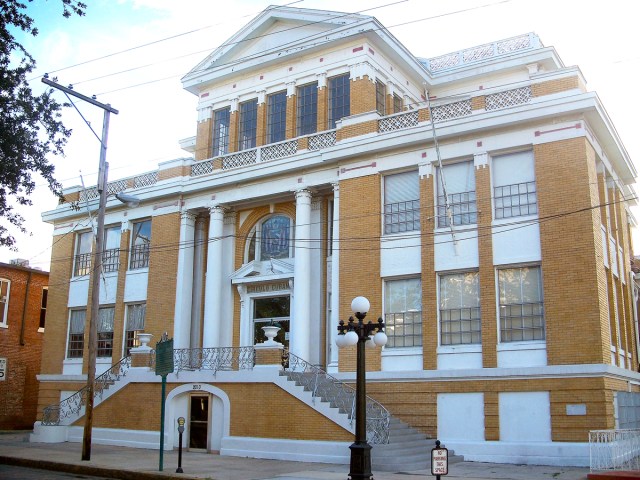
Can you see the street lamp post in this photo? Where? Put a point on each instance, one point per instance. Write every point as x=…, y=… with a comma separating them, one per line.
x=361, y=334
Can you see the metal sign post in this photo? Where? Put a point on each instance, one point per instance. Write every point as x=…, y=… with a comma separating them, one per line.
x=439, y=461
x=164, y=366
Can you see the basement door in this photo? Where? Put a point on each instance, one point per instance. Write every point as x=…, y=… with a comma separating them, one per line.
x=199, y=422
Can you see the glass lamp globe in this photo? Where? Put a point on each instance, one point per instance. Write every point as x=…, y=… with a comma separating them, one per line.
x=380, y=339
x=370, y=343
x=350, y=338
x=360, y=305
x=340, y=341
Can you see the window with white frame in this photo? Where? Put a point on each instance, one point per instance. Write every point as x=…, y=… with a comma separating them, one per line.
x=401, y=202
x=403, y=312
x=459, y=309
x=458, y=206
x=339, y=98
x=514, y=185
x=136, y=314
x=140, y=245
x=248, y=124
x=43, y=308
x=381, y=98
x=105, y=331
x=111, y=249
x=221, y=132
x=75, y=342
x=5, y=290
x=307, y=109
x=277, y=117
x=82, y=260
x=521, y=304
x=271, y=238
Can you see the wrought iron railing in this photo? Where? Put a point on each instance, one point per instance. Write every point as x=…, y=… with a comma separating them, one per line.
x=214, y=359
x=614, y=449
x=70, y=406
x=339, y=395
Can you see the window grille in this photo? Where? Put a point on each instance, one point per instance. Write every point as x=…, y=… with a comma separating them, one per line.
x=521, y=305
x=140, y=245
x=75, y=345
x=401, y=202
x=248, y=124
x=307, y=114
x=403, y=312
x=276, y=117
x=221, y=132
x=460, y=309
x=460, y=182
x=515, y=200
x=339, y=99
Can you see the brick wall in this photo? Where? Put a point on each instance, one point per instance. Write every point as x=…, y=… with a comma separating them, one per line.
x=556, y=86
x=363, y=95
x=203, y=140
x=429, y=288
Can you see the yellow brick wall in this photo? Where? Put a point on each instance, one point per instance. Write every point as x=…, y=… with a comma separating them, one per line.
x=292, y=130
x=261, y=130
x=360, y=230
x=478, y=103
x=572, y=271
x=203, y=140
x=423, y=115
x=556, y=86
x=233, y=131
x=322, y=113
x=429, y=288
x=363, y=95
x=174, y=172
x=356, y=130
x=163, y=265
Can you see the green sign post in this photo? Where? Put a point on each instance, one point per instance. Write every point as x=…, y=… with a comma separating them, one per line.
x=164, y=366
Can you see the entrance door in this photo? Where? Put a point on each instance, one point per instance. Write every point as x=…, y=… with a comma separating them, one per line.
x=269, y=309
x=199, y=422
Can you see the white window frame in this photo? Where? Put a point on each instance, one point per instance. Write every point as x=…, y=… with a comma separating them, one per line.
x=403, y=216
x=502, y=341
x=517, y=197
x=256, y=232
x=464, y=205
x=419, y=313
x=66, y=350
x=5, y=301
x=146, y=254
x=440, y=311
x=77, y=254
x=126, y=330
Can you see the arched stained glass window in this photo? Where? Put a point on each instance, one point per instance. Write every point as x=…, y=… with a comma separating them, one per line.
x=271, y=238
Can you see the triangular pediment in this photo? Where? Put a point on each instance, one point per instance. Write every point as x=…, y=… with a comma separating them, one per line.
x=261, y=271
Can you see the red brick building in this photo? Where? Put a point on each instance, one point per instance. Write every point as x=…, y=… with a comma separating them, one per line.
x=23, y=306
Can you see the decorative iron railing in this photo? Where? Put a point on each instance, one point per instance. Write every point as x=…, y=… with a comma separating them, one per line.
x=614, y=449
x=70, y=406
x=214, y=359
x=339, y=395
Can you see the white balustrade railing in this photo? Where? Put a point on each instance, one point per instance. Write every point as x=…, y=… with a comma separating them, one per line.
x=614, y=449
x=398, y=121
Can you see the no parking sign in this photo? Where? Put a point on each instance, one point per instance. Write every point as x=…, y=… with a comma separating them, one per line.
x=439, y=460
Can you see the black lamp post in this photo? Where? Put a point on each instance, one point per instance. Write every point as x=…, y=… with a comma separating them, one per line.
x=360, y=333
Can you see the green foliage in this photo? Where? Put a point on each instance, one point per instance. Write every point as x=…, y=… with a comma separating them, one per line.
x=30, y=125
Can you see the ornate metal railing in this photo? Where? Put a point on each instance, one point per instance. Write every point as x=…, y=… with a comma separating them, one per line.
x=614, y=449
x=339, y=395
x=214, y=359
x=70, y=406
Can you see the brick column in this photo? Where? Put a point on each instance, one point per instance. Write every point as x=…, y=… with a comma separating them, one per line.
x=322, y=103
x=261, y=127
x=292, y=131
x=233, y=126
x=203, y=140
x=429, y=287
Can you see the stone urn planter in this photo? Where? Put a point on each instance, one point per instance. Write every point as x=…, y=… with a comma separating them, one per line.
x=270, y=331
x=144, y=338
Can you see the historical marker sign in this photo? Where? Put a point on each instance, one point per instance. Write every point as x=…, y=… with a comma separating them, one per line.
x=3, y=369
x=439, y=461
x=164, y=357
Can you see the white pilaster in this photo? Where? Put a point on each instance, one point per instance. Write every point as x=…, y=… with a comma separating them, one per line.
x=200, y=240
x=332, y=366
x=213, y=286
x=301, y=312
x=184, y=285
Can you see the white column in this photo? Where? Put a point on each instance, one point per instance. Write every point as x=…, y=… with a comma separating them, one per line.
x=300, y=325
x=198, y=284
x=213, y=285
x=335, y=282
x=184, y=284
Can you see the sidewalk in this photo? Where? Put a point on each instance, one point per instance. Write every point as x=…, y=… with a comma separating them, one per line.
x=142, y=464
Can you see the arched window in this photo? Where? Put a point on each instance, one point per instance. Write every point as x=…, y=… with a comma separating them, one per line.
x=271, y=238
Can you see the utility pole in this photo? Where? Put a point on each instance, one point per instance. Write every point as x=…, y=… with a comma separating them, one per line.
x=97, y=262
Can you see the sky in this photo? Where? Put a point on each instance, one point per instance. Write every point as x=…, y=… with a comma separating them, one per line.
x=155, y=113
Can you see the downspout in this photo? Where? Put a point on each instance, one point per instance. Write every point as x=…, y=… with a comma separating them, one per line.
x=24, y=309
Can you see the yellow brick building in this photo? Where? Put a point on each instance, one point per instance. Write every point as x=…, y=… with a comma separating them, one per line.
x=480, y=201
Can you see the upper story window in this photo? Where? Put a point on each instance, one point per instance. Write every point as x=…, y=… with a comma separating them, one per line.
x=5, y=288
x=105, y=331
x=307, y=115
x=397, y=103
x=271, y=238
x=276, y=117
x=221, y=132
x=403, y=312
x=459, y=309
x=339, y=99
x=82, y=260
x=401, y=202
x=43, y=307
x=75, y=340
x=460, y=182
x=111, y=252
x=521, y=305
x=136, y=314
x=514, y=185
x=248, y=125
x=381, y=98
x=140, y=243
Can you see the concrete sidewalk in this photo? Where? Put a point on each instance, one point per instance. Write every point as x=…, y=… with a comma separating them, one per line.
x=142, y=464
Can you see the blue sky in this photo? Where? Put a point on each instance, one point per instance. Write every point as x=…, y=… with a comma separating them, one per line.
x=155, y=113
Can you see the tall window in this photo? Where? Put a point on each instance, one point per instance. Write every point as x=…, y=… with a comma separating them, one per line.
x=221, y=132
x=397, y=103
x=136, y=314
x=521, y=305
x=5, y=287
x=270, y=239
x=459, y=309
x=514, y=185
x=111, y=252
x=381, y=94
x=401, y=202
x=339, y=98
x=460, y=181
x=247, y=128
x=82, y=261
x=276, y=117
x=403, y=312
x=75, y=344
x=105, y=331
x=307, y=100
x=43, y=307
x=140, y=243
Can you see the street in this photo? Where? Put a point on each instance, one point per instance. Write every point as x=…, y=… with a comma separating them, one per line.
x=9, y=472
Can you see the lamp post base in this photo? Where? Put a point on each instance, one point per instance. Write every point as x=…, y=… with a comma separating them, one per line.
x=360, y=468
